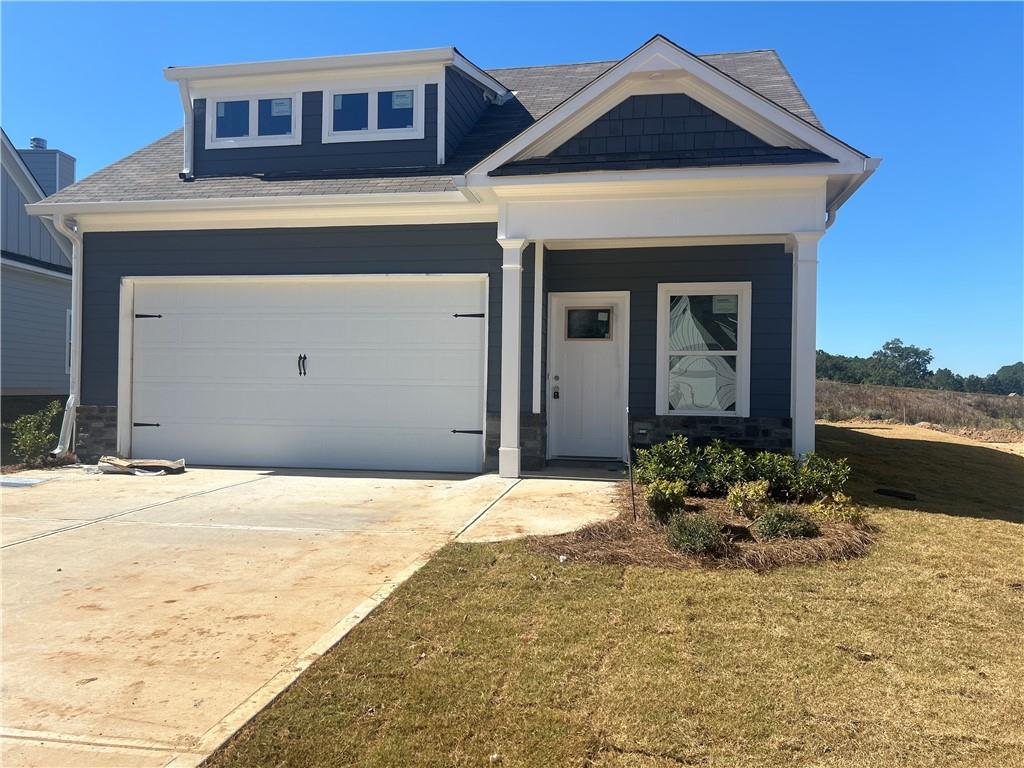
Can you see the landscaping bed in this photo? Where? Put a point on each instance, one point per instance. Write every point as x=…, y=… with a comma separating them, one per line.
x=643, y=542
x=718, y=506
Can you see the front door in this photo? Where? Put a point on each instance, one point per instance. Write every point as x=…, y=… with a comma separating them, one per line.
x=586, y=383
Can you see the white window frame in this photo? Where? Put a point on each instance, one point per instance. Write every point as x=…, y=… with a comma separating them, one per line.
x=67, y=342
x=253, y=139
x=372, y=132
x=742, y=353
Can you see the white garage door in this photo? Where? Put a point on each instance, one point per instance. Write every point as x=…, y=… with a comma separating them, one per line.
x=364, y=373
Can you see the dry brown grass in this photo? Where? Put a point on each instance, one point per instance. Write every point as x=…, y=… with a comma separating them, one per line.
x=908, y=657
x=642, y=542
x=949, y=410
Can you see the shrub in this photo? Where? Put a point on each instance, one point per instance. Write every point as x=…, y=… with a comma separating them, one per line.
x=696, y=535
x=839, y=508
x=818, y=477
x=779, y=470
x=719, y=466
x=665, y=498
x=784, y=522
x=750, y=498
x=32, y=434
x=670, y=460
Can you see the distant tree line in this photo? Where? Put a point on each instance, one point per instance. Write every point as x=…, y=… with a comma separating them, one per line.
x=903, y=365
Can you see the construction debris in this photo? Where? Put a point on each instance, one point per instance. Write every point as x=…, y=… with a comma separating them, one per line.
x=113, y=465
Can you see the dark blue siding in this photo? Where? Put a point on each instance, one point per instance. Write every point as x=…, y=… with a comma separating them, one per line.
x=657, y=123
x=312, y=155
x=445, y=248
x=464, y=103
x=639, y=270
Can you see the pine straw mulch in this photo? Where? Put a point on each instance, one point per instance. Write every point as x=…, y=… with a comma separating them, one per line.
x=643, y=542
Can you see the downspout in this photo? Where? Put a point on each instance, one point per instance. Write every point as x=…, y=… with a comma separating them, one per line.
x=870, y=166
x=67, y=429
x=186, y=103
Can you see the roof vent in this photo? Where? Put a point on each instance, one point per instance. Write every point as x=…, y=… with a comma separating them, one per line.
x=37, y=143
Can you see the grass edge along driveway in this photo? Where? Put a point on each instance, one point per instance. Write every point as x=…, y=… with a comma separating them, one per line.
x=491, y=655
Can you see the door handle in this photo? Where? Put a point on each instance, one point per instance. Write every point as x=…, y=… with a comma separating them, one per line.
x=299, y=363
x=302, y=363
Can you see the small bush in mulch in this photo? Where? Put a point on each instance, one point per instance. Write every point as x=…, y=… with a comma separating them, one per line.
x=749, y=499
x=839, y=508
x=784, y=522
x=711, y=470
x=697, y=534
x=665, y=498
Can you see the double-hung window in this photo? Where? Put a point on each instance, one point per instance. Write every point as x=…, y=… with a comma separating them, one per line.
x=703, y=340
x=373, y=113
x=256, y=121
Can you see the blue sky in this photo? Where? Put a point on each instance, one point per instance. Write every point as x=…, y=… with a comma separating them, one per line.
x=930, y=250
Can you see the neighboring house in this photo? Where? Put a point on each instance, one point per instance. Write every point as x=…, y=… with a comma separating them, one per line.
x=35, y=281
x=401, y=261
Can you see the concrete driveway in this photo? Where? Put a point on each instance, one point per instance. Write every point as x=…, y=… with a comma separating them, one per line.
x=146, y=619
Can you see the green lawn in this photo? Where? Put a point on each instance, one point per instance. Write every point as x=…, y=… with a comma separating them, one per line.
x=911, y=656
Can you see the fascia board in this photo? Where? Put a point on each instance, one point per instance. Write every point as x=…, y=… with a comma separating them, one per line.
x=352, y=61
x=501, y=185
x=248, y=203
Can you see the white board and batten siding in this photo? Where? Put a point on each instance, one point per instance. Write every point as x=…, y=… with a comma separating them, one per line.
x=389, y=372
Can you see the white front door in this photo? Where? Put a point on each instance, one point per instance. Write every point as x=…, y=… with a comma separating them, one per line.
x=587, y=374
x=354, y=373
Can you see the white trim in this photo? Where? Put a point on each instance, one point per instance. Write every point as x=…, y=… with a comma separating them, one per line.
x=253, y=139
x=663, y=242
x=353, y=64
x=372, y=90
x=538, y=321
x=68, y=336
x=554, y=301
x=653, y=59
x=125, y=361
x=511, y=353
x=34, y=269
x=442, y=108
x=243, y=203
x=742, y=353
x=804, y=247
x=126, y=326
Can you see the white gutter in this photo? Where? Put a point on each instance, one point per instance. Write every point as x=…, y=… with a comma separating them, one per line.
x=186, y=103
x=240, y=203
x=67, y=429
x=870, y=166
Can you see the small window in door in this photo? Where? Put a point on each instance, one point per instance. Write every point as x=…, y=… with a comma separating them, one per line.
x=589, y=323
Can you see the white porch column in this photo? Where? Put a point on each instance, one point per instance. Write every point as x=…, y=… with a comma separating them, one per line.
x=511, y=353
x=805, y=300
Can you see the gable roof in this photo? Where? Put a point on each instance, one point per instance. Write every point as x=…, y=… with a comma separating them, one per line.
x=151, y=173
x=14, y=164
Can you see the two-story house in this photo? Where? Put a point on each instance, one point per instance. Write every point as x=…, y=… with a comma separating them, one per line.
x=35, y=281
x=403, y=261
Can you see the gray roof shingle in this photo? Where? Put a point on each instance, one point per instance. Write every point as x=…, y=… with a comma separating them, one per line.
x=151, y=173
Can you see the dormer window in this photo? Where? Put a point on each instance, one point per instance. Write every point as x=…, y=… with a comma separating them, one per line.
x=256, y=121
x=373, y=114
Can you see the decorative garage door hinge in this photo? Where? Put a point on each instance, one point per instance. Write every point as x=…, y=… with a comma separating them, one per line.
x=471, y=314
x=149, y=316
x=144, y=424
x=467, y=431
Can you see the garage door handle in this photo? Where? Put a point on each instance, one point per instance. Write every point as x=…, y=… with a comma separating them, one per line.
x=302, y=365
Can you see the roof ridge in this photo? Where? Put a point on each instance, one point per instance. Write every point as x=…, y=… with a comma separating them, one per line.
x=616, y=61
